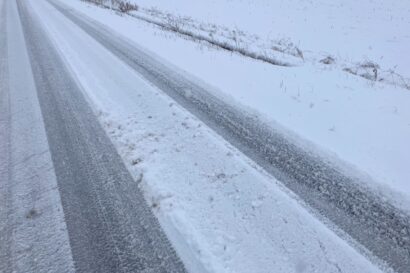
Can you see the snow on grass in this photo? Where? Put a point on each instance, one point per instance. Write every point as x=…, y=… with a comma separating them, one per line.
x=263, y=48
x=348, y=29
x=277, y=51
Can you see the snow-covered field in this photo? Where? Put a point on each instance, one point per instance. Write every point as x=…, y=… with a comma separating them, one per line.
x=361, y=124
x=350, y=31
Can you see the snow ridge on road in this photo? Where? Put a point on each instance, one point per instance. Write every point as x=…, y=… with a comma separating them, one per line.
x=379, y=226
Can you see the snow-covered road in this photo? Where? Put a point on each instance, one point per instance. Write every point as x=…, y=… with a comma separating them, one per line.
x=110, y=227
x=196, y=158
x=33, y=233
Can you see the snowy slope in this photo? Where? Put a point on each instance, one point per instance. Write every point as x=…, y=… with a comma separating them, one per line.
x=351, y=30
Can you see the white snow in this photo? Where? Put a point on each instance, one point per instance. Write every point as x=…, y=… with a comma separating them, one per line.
x=220, y=210
x=361, y=125
x=346, y=29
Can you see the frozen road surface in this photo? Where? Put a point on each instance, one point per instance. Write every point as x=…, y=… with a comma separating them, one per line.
x=69, y=202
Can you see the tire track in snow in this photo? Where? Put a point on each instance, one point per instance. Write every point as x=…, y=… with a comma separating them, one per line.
x=33, y=234
x=110, y=226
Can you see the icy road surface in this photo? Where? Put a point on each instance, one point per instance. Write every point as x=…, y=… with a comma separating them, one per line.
x=221, y=212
